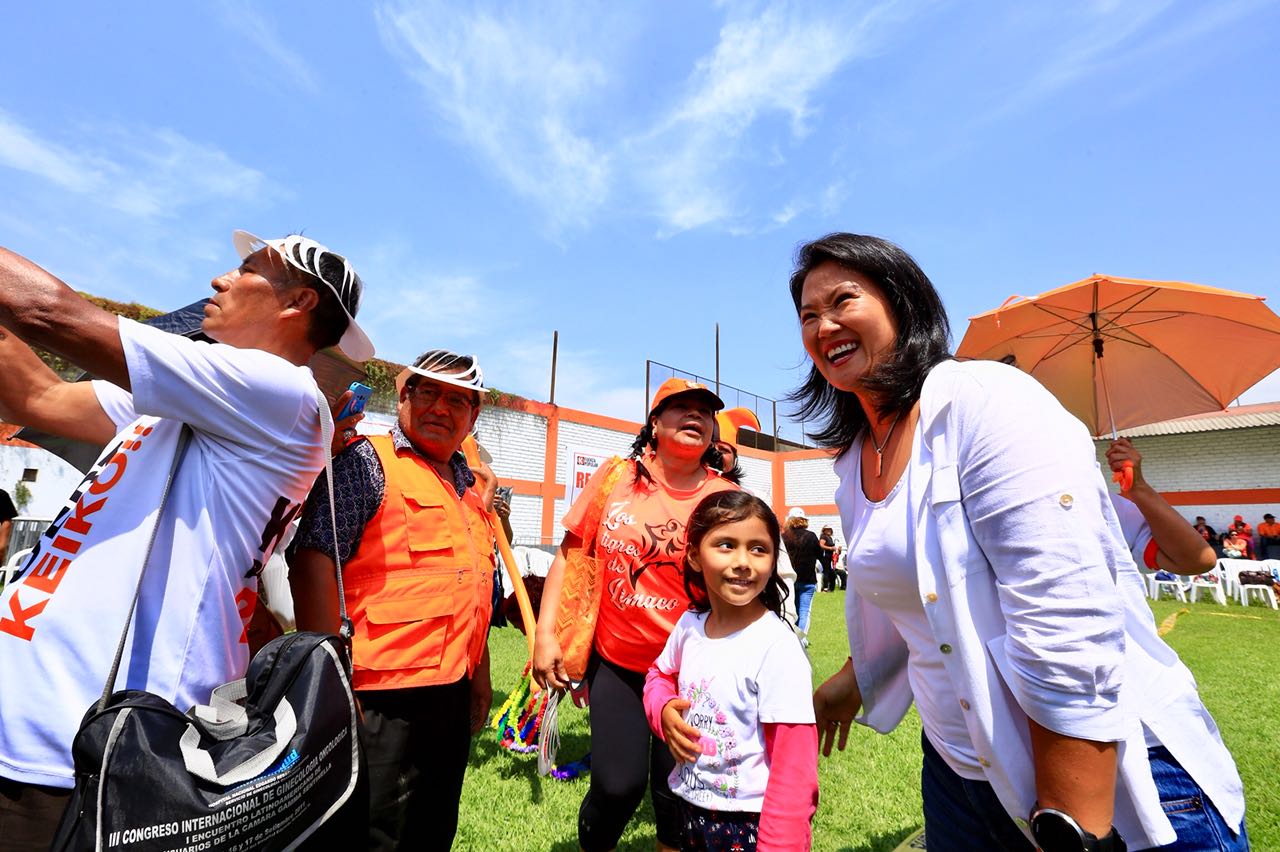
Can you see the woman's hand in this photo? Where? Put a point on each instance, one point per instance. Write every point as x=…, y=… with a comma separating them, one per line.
x=1121, y=452
x=548, y=662
x=835, y=703
x=683, y=739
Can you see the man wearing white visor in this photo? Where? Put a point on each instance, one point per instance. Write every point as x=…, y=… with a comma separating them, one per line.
x=417, y=556
x=254, y=451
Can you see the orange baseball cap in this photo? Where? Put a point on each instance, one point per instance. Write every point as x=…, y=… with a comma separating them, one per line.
x=732, y=419
x=676, y=386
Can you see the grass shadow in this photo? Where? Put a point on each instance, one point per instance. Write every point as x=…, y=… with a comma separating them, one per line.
x=884, y=842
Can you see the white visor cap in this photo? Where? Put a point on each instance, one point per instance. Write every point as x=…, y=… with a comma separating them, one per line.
x=303, y=253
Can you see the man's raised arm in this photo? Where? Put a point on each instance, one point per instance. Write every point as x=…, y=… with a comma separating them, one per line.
x=36, y=308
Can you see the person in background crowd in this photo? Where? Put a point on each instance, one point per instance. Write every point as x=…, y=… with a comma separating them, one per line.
x=1269, y=537
x=8, y=512
x=641, y=545
x=840, y=567
x=1236, y=546
x=1158, y=537
x=826, y=559
x=1030, y=656
x=1239, y=525
x=419, y=649
x=253, y=412
x=802, y=549
x=725, y=439
x=1208, y=533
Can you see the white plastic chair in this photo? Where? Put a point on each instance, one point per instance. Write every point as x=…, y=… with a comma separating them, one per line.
x=1229, y=570
x=1210, y=581
x=1157, y=586
x=1264, y=592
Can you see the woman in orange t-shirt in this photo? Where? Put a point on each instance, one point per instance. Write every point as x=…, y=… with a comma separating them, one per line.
x=640, y=547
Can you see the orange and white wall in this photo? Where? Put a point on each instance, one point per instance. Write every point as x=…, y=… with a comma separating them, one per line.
x=1215, y=474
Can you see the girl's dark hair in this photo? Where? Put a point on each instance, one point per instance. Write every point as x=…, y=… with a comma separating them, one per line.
x=646, y=440
x=922, y=343
x=729, y=507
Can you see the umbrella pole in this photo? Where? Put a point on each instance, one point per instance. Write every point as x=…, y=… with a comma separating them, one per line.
x=1124, y=476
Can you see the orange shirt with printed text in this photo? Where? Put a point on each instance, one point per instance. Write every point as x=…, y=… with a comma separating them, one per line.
x=640, y=547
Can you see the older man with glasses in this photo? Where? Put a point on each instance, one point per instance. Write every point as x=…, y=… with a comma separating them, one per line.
x=417, y=554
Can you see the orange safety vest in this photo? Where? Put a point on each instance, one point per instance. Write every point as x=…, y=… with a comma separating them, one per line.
x=419, y=588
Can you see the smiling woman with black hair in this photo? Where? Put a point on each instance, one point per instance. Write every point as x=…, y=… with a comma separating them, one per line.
x=991, y=586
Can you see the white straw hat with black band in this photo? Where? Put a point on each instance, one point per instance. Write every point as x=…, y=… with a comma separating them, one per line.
x=306, y=254
x=441, y=365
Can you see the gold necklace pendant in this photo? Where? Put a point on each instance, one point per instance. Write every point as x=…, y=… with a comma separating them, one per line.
x=879, y=447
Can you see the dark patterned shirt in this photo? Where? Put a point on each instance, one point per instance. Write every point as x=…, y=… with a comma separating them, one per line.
x=359, y=486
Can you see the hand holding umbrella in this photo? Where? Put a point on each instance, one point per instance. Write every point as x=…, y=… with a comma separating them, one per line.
x=1126, y=464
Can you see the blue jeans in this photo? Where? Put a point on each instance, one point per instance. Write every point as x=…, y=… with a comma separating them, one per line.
x=804, y=597
x=961, y=815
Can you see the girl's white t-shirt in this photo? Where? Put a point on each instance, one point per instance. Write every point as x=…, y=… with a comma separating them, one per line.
x=734, y=686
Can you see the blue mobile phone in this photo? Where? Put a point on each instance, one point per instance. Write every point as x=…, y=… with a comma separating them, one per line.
x=355, y=405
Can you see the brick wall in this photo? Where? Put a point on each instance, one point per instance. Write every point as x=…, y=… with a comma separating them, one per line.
x=758, y=477
x=810, y=481
x=1184, y=467
x=516, y=440
x=1198, y=472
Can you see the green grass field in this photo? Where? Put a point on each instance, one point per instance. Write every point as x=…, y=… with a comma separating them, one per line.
x=870, y=794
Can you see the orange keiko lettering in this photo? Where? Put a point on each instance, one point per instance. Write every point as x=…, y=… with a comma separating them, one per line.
x=77, y=523
x=47, y=573
x=67, y=545
x=119, y=461
x=18, y=626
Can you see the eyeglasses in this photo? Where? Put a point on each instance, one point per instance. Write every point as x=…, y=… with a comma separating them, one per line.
x=428, y=395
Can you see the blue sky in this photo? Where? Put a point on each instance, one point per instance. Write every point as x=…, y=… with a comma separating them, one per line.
x=632, y=173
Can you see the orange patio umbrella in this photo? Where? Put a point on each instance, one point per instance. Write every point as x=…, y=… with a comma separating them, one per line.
x=1123, y=352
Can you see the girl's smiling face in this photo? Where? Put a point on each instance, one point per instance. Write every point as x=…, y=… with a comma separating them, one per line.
x=736, y=560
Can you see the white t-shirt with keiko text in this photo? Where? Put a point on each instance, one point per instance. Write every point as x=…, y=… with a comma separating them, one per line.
x=735, y=684
x=254, y=454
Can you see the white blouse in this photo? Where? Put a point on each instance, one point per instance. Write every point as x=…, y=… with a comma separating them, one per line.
x=882, y=569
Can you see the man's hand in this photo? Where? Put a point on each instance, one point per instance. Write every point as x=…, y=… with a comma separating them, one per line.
x=344, y=430
x=548, y=662
x=835, y=703
x=683, y=739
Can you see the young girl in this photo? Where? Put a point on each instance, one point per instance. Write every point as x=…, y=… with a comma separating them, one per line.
x=730, y=692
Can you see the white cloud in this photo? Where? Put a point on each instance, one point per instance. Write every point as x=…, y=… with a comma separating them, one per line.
x=22, y=149
x=542, y=102
x=130, y=213
x=772, y=62
x=513, y=86
x=1107, y=34
x=147, y=173
x=253, y=26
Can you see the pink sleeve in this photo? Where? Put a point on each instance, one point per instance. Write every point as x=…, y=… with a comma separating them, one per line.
x=791, y=796
x=659, y=688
